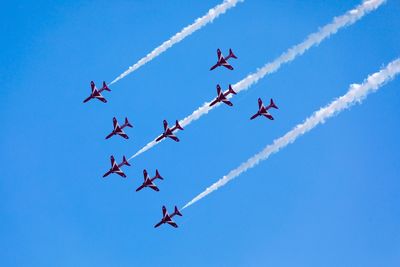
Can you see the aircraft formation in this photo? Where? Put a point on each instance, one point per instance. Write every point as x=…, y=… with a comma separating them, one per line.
x=169, y=132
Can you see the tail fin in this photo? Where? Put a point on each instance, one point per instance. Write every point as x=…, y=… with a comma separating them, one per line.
x=158, y=175
x=177, y=212
x=125, y=162
x=231, y=54
x=272, y=104
x=231, y=90
x=105, y=87
x=177, y=126
x=127, y=123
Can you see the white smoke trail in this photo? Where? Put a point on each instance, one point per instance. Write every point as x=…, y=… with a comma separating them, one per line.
x=313, y=39
x=212, y=14
x=356, y=93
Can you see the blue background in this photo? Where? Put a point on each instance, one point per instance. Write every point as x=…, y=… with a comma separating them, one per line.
x=330, y=199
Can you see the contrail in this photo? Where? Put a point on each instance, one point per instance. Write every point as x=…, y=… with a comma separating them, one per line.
x=212, y=14
x=313, y=39
x=356, y=93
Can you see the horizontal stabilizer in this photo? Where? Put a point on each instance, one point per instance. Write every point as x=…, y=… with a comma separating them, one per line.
x=177, y=212
x=231, y=54
x=105, y=87
x=158, y=175
x=272, y=104
x=177, y=126
x=127, y=123
x=231, y=90
x=125, y=162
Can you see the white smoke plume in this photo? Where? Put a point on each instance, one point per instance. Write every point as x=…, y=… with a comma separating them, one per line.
x=313, y=39
x=212, y=14
x=356, y=93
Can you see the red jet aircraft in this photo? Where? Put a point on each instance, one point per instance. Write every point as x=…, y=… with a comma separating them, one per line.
x=222, y=96
x=223, y=61
x=148, y=182
x=117, y=168
x=168, y=218
x=118, y=129
x=96, y=93
x=168, y=132
x=263, y=111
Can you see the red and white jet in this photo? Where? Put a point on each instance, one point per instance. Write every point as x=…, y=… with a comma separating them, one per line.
x=168, y=132
x=118, y=129
x=168, y=218
x=148, y=182
x=116, y=168
x=263, y=111
x=223, y=61
x=222, y=96
x=96, y=92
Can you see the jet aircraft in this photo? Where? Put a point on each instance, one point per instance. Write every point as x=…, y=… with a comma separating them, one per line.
x=118, y=129
x=167, y=218
x=116, y=168
x=96, y=93
x=168, y=132
x=222, y=96
x=148, y=182
x=263, y=111
x=223, y=61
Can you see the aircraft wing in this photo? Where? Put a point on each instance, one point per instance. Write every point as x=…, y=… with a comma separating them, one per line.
x=218, y=90
x=160, y=137
x=124, y=135
x=140, y=187
x=226, y=101
x=87, y=99
x=165, y=125
x=154, y=187
x=93, y=86
x=219, y=55
x=227, y=65
x=254, y=116
x=101, y=98
x=115, y=123
x=111, y=134
x=164, y=211
x=213, y=103
x=120, y=173
x=107, y=174
x=260, y=103
x=173, y=137
x=213, y=67
x=269, y=116
x=113, y=163
x=172, y=223
x=158, y=224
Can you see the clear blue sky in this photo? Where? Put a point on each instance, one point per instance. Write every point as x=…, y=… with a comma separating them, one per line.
x=330, y=199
